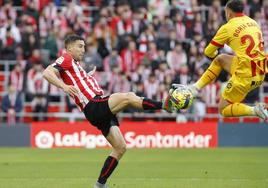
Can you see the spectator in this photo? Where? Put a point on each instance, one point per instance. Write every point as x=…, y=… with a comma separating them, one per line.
x=168, y=43
x=211, y=94
x=215, y=11
x=6, y=12
x=104, y=36
x=255, y=6
x=145, y=38
x=139, y=22
x=8, y=46
x=118, y=81
x=179, y=27
x=92, y=57
x=113, y=60
x=177, y=58
x=162, y=91
x=17, y=77
x=156, y=23
x=198, y=24
x=12, y=105
x=32, y=10
x=40, y=106
x=165, y=27
x=200, y=42
x=34, y=59
x=36, y=85
x=131, y=58
x=50, y=44
x=50, y=13
x=71, y=12
x=163, y=71
x=158, y=8
x=80, y=27
x=116, y=16
x=11, y=27
x=151, y=86
x=139, y=89
x=125, y=25
x=199, y=109
x=212, y=26
x=29, y=40
x=153, y=56
x=141, y=74
x=264, y=9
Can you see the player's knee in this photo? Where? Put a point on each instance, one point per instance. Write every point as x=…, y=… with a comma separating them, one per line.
x=121, y=150
x=129, y=97
x=221, y=59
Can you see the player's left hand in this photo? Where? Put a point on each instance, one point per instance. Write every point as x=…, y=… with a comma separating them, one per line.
x=91, y=73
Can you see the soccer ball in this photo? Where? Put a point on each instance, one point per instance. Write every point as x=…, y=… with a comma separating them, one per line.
x=182, y=97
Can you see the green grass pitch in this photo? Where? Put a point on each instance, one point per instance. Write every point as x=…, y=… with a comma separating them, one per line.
x=139, y=168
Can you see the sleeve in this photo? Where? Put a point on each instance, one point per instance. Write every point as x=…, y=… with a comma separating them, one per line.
x=217, y=42
x=63, y=63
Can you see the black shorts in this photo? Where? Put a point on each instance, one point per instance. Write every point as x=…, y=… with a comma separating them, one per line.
x=98, y=113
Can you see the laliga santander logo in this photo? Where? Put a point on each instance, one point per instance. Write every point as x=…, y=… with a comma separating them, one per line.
x=46, y=139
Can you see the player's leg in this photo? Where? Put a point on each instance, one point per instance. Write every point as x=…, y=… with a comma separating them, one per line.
x=236, y=109
x=221, y=62
x=119, y=101
x=116, y=139
x=235, y=91
x=240, y=109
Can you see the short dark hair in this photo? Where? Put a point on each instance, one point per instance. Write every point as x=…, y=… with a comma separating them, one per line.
x=72, y=38
x=236, y=6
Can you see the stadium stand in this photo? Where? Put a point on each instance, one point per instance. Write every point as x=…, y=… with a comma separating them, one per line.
x=137, y=45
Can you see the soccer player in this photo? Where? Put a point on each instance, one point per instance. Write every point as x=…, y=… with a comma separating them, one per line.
x=247, y=67
x=98, y=109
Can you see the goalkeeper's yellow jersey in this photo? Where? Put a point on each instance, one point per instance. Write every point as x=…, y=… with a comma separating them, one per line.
x=244, y=36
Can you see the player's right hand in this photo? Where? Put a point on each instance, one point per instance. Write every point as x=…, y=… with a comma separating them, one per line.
x=70, y=90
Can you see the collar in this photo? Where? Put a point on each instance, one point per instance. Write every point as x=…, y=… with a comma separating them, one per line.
x=239, y=14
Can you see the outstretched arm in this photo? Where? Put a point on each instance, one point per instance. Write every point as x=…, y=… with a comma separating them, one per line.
x=52, y=75
x=211, y=51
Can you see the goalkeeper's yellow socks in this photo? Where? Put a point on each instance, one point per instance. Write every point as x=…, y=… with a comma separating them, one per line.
x=238, y=109
x=209, y=75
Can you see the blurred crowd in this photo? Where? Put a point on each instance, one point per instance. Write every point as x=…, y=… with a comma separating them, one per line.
x=137, y=45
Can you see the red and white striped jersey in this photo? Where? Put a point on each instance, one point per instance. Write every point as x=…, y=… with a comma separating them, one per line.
x=72, y=73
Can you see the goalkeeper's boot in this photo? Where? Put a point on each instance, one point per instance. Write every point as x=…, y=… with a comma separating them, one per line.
x=261, y=111
x=167, y=104
x=99, y=185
